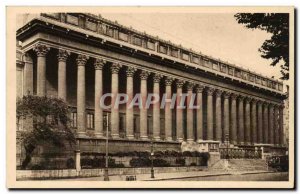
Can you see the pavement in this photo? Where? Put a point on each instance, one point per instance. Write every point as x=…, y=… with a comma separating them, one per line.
x=170, y=176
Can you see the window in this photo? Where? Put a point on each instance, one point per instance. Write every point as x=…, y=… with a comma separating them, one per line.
x=238, y=73
x=258, y=80
x=109, y=32
x=150, y=45
x=207, y=63
x=90, y=121
x=72, y=20
x=91, y=25
x=230, y=71
x=251, y=78
x=223, y=68
x=195, y=59
x=163, y=49
x=185, y=56
x=216, y=66
x=123, y=36
x=137, y=41
x=74, y=119
x=174, y=52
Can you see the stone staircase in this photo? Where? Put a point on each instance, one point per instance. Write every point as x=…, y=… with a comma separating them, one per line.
x=240, y=165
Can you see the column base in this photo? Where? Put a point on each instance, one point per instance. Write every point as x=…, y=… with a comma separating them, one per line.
x=169, y=139
x=157, y=138
x=180, y=139
x=144, y=138
x=130, y=136
x=190, y=140
x=98, y=135
x=81, y=134
x=115, y=136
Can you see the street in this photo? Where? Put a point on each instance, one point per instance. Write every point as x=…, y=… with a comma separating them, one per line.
x=197, y=176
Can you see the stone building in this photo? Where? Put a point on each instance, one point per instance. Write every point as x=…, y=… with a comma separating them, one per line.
x=80, y=57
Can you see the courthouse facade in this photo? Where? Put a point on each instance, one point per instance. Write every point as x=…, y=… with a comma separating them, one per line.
x=80, y=57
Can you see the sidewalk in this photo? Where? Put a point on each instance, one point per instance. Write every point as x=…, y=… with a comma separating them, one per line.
x=169, y=176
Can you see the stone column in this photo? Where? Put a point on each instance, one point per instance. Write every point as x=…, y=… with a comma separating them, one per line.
x=99, y=63
x=143, y=110
x=189, y=114
x=276, y=125
x=254, y=122
x=266, y=122
x=210, y=124
x=218, y=116
x=179, y=118
x=156, y=107
x=115, y=68
x=233, y=131
x=62, y=73
x=226, y=113
x=19, y=79
x=28, y=74
x=81, y=112
x=281, y=132
x=168, y=111
x=247, y=122
x=199, y=90
x=271, y=124
x=129, y=110
x=241, y=136
x=259, y=122
x=41, y=51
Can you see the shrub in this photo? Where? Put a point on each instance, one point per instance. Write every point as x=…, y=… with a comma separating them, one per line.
x=70, y=163
x=157, y=162
x=140, y=162
x=180, y=161
x=38, y=167
x=193, y=164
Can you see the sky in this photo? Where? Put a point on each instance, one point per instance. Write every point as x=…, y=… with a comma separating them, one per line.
x=217, y=35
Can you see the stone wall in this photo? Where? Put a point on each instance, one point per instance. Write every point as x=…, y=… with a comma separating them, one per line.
x=72, y=173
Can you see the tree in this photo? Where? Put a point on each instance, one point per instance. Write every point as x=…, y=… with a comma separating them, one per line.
x=276, y=48
x=50, y=124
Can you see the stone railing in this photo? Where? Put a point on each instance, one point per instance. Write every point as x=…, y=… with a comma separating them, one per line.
x=238, y=153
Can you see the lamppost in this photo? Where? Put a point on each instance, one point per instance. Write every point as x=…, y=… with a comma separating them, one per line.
x=106, y=178
x=152, y=155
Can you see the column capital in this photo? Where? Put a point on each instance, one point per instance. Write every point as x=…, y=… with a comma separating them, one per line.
x=218, y=92
x=259, y=102
x=210, y=90
x=99, y=63
x=271, y=105
x=265, y=103
x=41, y=49
x=156, y=78
x=199, y=88
x=254, y=100
x=248, y=99
x=241, y=98
x=190, y=86
x=63, y=55
x=179, y=83
x=233, y=96
x=144, y=75
x=115, y=68
x=226, y=94
x=130, y=71
x=168, y=81
x=81, y=60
